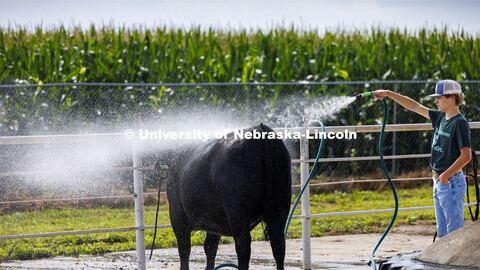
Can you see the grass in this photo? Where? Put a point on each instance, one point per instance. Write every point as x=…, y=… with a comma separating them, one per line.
x=104, y=217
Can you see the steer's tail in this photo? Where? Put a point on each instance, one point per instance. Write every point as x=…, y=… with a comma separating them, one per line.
x=269, y=165
x=278, y=182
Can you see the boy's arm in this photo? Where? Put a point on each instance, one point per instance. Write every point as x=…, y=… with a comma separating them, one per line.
x=405, y=101
x=462, y=160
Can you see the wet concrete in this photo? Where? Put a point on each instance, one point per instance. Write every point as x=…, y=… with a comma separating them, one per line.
x=330, y=252
x=406, y=261
x=168, y=259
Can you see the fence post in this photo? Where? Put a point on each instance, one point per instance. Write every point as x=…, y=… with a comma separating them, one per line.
x=139, y=219
x=304, y=172
x=79, y=109
x=248, y=97
x=394, y=135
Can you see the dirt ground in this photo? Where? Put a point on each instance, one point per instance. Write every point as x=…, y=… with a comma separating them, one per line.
x=333, y=252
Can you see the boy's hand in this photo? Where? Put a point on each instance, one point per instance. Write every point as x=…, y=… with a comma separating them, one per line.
x=442, y=179
x=381, y=94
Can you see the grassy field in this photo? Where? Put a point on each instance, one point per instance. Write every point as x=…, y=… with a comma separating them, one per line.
x=70, y=219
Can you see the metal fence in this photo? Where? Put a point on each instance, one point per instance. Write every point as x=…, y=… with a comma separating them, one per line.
x=27, y=163
x=138, y=192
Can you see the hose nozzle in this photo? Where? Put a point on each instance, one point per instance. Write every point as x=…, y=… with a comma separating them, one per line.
x=359, y=96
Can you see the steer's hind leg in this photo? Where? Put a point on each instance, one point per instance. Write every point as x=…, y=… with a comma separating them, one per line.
x=182, y=229
x=184, y=245
x=277, y=240
x=242, y=247
x=211, y=246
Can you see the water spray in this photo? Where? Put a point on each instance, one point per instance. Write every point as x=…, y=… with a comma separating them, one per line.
x=314, y=167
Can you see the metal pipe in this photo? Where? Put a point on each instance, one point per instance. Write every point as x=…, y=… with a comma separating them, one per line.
x=228, y=84
x=394, y=135
x=129, y=196
x=125, y=229
x=304, y=172
x=108, y=137
x=139, y=215
x=79, y=170
x=367, y=158
x=378, y=211
x=164, y=226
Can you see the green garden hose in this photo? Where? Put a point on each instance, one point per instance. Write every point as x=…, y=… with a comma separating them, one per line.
x=226, y=265
x=306, y=182
x=380, y=150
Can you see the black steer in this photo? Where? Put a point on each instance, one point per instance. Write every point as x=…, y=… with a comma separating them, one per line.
x=227, y=187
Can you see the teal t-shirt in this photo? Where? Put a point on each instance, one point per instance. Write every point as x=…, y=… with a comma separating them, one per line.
x=448, y=138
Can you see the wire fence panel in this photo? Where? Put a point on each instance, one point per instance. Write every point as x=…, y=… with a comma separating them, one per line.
x=43, y=109
x=99, y=108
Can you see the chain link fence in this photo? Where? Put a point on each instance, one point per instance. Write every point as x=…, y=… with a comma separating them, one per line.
x=106, y=108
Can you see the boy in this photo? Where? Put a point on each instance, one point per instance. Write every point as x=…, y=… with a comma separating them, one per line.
x=450, y=151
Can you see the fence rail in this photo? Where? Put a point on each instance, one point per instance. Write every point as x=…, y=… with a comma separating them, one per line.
x=138, y=196
x=232, y=83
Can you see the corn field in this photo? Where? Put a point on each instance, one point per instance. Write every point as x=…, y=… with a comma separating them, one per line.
x=281, y=55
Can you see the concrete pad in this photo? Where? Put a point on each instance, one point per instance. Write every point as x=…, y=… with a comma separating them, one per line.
x=458, y=248
x=340, y=252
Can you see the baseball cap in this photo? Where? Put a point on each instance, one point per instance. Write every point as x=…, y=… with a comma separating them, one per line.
x=446, y=87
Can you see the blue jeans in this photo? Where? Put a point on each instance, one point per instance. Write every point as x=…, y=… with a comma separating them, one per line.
x=449, y=200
